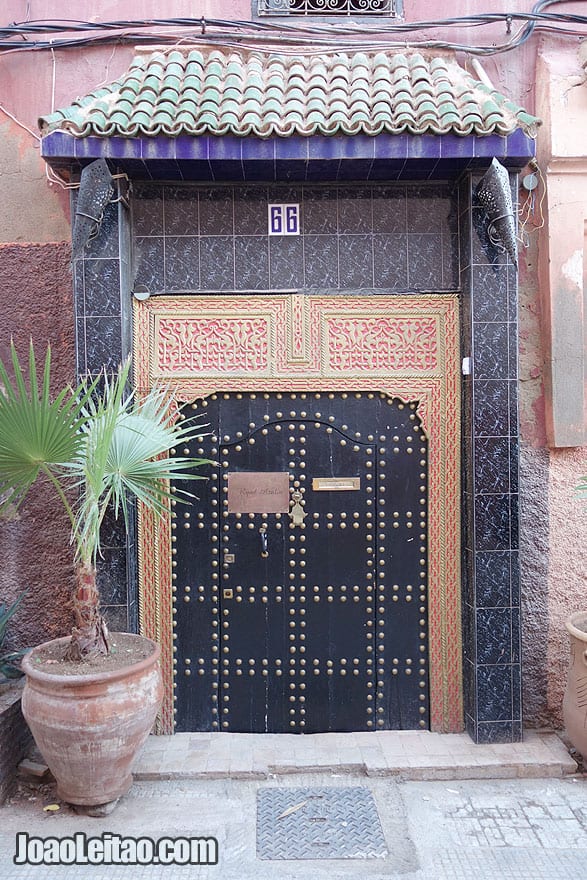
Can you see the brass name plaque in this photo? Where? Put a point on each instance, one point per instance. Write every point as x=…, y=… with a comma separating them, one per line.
x=336, y=484
x=258, y=492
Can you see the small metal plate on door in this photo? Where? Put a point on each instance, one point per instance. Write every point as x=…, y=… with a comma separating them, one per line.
x=258, y=492
x=336, y=484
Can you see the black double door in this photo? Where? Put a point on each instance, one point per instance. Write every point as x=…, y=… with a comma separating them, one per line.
x=300, y=580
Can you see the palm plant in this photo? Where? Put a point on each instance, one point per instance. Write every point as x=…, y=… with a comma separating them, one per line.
x=99, y=446
x=9, y=660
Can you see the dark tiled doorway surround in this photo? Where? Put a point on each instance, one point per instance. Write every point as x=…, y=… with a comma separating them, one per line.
x=366, y=238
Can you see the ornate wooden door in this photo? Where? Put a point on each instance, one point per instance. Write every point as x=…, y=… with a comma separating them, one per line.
x=343, y=365
x=301, y=581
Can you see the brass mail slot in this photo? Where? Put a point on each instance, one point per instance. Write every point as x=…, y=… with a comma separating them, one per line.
x=336, y=484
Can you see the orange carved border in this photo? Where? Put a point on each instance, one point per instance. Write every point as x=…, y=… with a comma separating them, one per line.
x=405, y=346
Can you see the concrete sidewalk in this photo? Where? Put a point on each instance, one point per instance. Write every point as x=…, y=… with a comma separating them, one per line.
x=444, y=809
x=533, y=829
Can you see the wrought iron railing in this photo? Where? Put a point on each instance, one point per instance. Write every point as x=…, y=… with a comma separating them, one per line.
x=326, y=7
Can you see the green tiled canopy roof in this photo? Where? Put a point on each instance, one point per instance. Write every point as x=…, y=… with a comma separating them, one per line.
x=193, y=92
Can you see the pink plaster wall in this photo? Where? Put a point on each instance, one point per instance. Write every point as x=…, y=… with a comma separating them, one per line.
x=560, y=296
x=50, y=80
x=567, y=576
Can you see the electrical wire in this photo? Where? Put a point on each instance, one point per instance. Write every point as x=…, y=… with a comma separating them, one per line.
x=532, y=210
x=271, y=36
x=53, y=78
x=51, y=176
x=19, y=123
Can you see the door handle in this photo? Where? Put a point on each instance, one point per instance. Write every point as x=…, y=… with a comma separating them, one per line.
x=264, y=542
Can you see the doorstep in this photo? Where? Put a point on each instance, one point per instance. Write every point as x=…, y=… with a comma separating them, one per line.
x=406, y=754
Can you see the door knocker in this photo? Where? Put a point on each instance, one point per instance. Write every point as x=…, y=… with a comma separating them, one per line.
x=296, y=511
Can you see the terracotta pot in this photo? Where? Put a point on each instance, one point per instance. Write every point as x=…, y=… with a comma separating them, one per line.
x=575, y=699
x=90, y=727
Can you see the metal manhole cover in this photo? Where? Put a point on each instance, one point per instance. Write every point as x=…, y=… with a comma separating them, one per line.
x=318, y=823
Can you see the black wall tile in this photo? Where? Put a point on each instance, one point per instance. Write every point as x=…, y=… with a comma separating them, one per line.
x=491, y=351
x=515, y=578
x=498, y=732
x=471, y=726
x=101, y=294
x=431, y=209
x=494, y=693
x=147, y=210
x=113, y=532
x=79, y=301
x=516, y=690
x=291, y=194
x=216, y=211
x=470, y=695
x=149, y=263
x=111, y=576
x=491, y=285
x=516, y=635
x=469, y=634
x=320, y=261
x=103, y=344
x=217, y=262
x=493, y=579
x=102, y=287
x=390, y=213
x=468, y=522
x=490, y=408
x=105, y=242
x=492, y=522
x=513, y=408
x=512, y=292
x=468, y=578
x=182, y=263
x=251, y=213
x=390, y=261
x=514, y=520
x=181, y=213
x=251, y=262
x=492, y=464
x=514, y=453
x=319, y=211
x=286, y=263
x=355, y=258
x=450, y=262
x=425, y=261
x=512, y=350
x=494, y=635
x=80, y=345
x=490, y=300
x=355, y=210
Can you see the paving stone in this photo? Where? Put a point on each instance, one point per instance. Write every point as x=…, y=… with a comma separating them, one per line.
x=411, y=754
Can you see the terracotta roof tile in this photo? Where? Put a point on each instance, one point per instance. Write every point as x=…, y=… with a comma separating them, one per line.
x=193, y=92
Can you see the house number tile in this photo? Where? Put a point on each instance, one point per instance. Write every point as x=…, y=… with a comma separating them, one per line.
x=284, y=219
